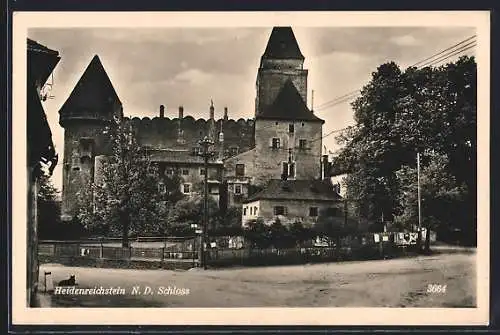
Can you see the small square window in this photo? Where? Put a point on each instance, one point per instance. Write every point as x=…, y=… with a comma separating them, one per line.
x=237, y=189
x=279, y=210
x=313, y=211
x=202, y=172
x=302, y=143
x=186, y=188
x=291, y=128
x=169, y=172
x=185, y=172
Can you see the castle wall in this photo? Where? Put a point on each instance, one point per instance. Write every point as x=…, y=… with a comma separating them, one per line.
x=184, y=133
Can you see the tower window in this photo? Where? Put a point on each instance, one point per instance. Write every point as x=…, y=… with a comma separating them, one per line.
x=291, y=128
x=276, y=143
x=288, y=169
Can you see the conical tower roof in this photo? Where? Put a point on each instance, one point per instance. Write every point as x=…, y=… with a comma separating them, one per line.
x=288, y=105
x=93, y=95
x=282, y=45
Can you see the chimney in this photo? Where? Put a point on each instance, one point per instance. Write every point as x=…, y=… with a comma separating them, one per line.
x=325, y=168
x=162, y=111
x=181, y=112
x=225, y=114
x=212, y=109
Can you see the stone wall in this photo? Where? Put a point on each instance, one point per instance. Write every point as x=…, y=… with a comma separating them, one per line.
x=185, y=132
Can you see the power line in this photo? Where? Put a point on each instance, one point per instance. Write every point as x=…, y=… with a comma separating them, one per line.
x=450, y=54
x=431, y=60
x=439, y=53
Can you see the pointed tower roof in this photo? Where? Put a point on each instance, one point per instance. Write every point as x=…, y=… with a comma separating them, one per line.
x=94, y=93
x=282, y=45
x=288, y=105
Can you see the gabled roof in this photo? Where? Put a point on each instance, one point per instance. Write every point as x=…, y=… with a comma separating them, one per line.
x=41, y=62
x=313, y=190
x=94, y=92
x=288, y=105
x=282, y=45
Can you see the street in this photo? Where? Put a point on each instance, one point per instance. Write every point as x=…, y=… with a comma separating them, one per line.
x=381, y=283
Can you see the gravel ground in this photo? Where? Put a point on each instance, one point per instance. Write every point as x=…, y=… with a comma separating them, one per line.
x=382, y=283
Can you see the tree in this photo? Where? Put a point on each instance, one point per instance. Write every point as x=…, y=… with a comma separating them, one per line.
x=441, y=196
x=399, y=114
x=190, y=211
x=257, y=233
x=125, y=199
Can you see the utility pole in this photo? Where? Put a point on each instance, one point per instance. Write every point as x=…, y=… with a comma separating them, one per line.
x=419, y=236
x=205, y=143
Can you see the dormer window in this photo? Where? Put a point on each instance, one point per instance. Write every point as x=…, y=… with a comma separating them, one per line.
x=234, y=151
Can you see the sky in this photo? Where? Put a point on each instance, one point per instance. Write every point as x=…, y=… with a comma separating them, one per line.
x=191, y=66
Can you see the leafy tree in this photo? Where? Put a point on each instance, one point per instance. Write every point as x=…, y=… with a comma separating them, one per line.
x=124, y=200
x=441, y=195
x=190, y=211
x=300, y=233
x=257, y=233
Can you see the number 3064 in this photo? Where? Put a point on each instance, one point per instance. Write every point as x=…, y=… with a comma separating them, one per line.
x=436, y=288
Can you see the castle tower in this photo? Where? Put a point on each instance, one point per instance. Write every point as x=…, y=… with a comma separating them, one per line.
x=282, y=61
x=92, y=105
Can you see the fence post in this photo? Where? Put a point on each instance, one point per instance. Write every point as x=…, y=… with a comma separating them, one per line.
x=162, y=258
x=129, y=252
x=101, y=251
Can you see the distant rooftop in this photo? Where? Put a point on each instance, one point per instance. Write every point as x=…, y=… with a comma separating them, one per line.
x=315, y=190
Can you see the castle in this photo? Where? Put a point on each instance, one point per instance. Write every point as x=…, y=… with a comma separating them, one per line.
x=282, y=142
